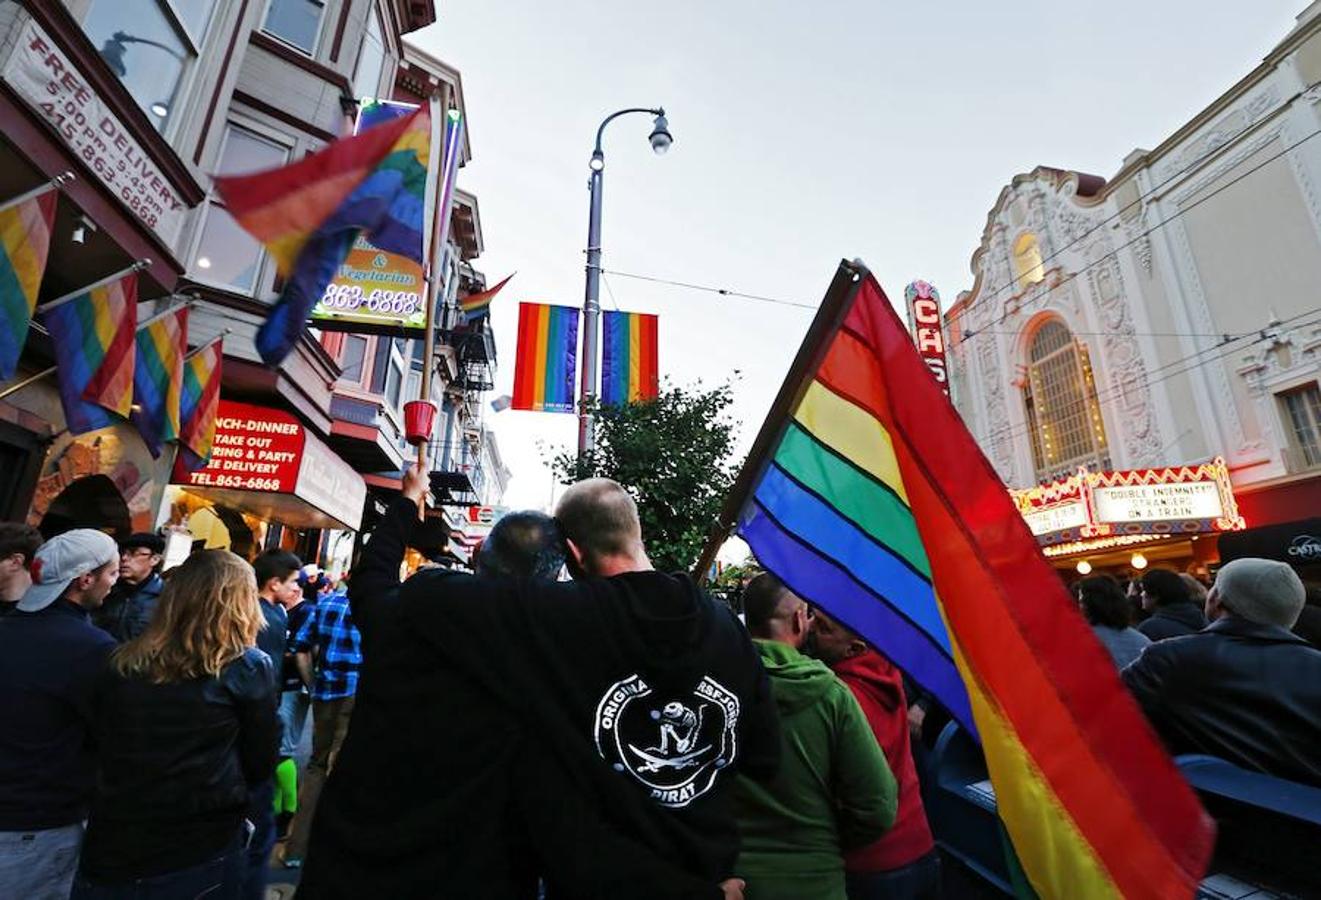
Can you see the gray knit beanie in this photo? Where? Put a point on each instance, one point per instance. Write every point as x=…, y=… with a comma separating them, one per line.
x=1262, y=591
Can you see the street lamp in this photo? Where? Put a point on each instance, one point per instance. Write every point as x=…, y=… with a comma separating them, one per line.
x=661, y=140
x=113, y=50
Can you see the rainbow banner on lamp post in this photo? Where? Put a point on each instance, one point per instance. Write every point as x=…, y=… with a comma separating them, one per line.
x=547, y=357
x=629, y=371
x=865, y=494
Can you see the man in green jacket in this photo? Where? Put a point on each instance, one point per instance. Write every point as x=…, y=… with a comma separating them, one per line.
x=834, y=791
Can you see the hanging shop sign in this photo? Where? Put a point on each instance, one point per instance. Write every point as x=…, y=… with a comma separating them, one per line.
x=374, y=290
x=44, y=77
x=268, y=451
x=924, y=321
x=1173, y=500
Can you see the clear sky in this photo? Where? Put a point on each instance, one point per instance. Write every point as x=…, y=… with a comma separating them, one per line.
x=804, y=132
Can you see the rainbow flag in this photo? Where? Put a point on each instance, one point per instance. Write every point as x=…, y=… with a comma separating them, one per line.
x=92, y=332
x=24, y=243
x=547, y=355
x=474, y=306
x=162, y=342
x=867, y=495
x=628, y=358
x=308, y=214
x=199, y=403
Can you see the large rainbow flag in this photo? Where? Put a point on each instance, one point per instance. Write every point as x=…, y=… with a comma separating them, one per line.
x=308, y=214
x=24, y=244
x=629, y=370
x=546, y=357
x=199, y=403
x=867, y=495
x=92, y=331
x=161, y=342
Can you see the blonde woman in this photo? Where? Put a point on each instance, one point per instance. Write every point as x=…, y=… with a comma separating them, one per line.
x=186, y=724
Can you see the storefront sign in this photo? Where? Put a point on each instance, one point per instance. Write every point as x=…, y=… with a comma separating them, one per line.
x=1158, y=502
x=41, y=74
x=267, y=450
x=1058, y=517
x=373, y=287
x=924, y=320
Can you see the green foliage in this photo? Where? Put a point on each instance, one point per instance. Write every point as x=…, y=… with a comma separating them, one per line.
x=673, y=455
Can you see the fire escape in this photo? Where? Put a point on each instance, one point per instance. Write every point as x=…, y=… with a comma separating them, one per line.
x=456, y=476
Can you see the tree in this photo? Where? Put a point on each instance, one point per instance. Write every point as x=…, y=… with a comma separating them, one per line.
x=673, y=455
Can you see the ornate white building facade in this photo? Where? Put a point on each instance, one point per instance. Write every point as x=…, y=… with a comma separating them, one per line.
x=1167, y=316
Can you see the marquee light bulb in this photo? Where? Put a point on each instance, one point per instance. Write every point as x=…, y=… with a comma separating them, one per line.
x=1138, y=561
x=1084, y=567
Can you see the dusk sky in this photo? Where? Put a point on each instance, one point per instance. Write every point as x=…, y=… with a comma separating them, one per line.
x=803, y=133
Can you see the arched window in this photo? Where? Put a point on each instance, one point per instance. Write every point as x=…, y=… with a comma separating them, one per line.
x=1063, y=414
x=1028, y=267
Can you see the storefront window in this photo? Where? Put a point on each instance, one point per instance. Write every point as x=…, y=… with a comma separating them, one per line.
x=1059, y=396
x=226, y=254
x=295, y=22
x=149, y=45
x=371, y=59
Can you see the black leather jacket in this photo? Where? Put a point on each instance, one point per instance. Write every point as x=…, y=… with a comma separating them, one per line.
x=1247, y=693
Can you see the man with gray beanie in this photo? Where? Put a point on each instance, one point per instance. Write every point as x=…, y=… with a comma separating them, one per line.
x=50, y=657
x=1245, y=688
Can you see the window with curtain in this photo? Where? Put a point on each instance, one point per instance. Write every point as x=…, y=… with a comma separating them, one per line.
x=226, y=254
x=1059, y=397
x=1028, y=266
x=371, y=59
x=296, y=22
x=149, y=45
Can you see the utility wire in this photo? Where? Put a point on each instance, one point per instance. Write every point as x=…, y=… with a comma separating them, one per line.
x=724, y=292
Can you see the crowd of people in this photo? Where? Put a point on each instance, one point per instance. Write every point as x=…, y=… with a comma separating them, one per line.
x=508, y=734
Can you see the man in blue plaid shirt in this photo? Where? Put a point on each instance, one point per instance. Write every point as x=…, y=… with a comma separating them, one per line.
x=329, y=654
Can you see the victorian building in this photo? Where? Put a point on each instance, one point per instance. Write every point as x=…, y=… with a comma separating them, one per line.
x=1162, y=327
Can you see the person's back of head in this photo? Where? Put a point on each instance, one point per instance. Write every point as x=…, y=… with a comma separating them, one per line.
x=773, y=612
x=207, y=617
x=599, y=521
x=1161, y=587
x=523, y=545
x=1263, y=591
x=18, y=545
x=1103, y=601
x=1196, y=590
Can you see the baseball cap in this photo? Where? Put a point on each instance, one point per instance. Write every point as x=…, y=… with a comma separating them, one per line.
x=62, y=559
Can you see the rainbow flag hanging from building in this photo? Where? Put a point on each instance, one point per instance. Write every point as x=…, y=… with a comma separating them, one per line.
x=161, y=343
x=24, y=244
x=199, y=402
x=546, y=358
x=474, y=306
x=867, y=495
x=629, y=371
x=92, y=331
x=308, y=214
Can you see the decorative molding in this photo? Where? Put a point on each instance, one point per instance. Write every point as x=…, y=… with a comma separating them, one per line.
x=1220, y=133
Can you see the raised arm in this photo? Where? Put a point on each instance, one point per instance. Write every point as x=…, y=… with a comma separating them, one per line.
x=376, y=576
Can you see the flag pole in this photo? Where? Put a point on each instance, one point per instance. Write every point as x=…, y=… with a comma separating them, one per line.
x=432, y=285
x=38, y=191
x=136, y=267
x=829, y=316
x=31, y=379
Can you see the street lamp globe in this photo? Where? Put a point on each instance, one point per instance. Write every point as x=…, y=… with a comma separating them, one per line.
x=660, y=136
x=598, y=161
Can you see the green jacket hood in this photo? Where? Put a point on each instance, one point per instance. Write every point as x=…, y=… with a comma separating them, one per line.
x=797, y=681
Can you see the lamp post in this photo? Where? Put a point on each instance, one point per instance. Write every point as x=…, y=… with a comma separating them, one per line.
x=660, y=142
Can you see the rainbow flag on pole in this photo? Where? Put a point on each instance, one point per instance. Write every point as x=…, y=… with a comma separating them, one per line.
x=474, y=306
x=866, y=494
x=546, y=358
x=308, y=214
x=629, y=372
x=92, y=332
x=199, y=402
x=25, y=225
x=158, y=377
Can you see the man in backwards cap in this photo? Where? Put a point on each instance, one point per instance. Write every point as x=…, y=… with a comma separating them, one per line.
x=1245, y=688
x=50, y=654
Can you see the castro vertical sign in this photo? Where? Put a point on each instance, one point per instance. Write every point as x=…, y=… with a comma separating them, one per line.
x=924, y=320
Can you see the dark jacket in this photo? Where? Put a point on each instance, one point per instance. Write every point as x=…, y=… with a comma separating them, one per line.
x=127, y=610
x=291, y=678
x=175, y=764
x=472, y=680
x=273, y=640
x=1174, y=620
x=49, y=664
x=1248, y=693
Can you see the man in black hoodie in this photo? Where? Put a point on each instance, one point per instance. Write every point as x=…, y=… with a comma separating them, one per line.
x=450, y=782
